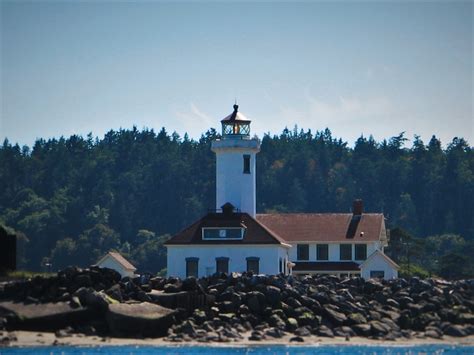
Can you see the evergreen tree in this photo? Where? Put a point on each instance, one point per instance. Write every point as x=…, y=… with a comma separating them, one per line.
x=80, y=196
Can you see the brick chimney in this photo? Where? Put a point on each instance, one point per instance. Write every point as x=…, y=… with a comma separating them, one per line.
x=357, y=207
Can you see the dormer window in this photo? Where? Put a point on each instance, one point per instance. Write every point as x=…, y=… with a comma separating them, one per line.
x=218, y=233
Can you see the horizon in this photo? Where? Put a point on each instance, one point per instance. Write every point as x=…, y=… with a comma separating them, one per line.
x=358, y=68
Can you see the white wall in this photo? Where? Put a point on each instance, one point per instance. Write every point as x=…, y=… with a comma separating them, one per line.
x=232, y=185
x=111, y=263
x=379, y=263
x=237, y=254
x=333, y=251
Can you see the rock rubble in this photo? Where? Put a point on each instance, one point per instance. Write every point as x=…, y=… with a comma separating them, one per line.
x=221, y=308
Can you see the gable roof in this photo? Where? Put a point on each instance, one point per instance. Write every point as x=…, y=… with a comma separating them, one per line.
x=118, y=258
x=256, y=232
x=324, y=227
x=382, y=254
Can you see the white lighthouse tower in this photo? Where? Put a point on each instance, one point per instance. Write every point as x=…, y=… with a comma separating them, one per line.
x=235, y=164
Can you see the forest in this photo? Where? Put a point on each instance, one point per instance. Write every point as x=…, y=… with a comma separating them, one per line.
x=70, y=200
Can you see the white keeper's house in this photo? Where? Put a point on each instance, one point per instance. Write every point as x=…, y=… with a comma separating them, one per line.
x=236, y=238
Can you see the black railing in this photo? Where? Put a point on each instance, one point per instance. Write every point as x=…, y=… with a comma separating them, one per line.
x=220, y=210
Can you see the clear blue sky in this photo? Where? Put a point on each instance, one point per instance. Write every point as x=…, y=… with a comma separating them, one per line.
x=357, y=68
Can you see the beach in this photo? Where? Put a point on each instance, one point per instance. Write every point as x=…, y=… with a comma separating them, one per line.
x=39, y=339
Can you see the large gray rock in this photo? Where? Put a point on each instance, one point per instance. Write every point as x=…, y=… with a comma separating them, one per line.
x=276, y=321
x=307, y=318
x=378, y=328
x=44, y=316
x=254, y=301
x=336, y=318
x=357, y=318
x=291, y=324
x=455, y=330
x=139, y=319
x=173, y=288
x=274, y=332
x=324, y=331
x=184, y=299
x=272, y=295
x=99, y=301
x=362, y=329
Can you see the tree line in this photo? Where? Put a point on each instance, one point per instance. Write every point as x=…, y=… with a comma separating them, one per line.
x=73, y=199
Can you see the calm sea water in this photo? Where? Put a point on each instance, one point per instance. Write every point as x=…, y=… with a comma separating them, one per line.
x=254, y=350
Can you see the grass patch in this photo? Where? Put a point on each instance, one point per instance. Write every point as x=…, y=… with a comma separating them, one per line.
x=407, y=271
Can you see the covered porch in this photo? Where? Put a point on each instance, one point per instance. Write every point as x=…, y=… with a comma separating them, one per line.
x=338, y=268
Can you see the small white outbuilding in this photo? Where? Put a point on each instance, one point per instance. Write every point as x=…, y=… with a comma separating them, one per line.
x=379, y=265
x=117, y=262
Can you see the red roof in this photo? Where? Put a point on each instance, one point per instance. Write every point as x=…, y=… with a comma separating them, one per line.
x=256, y=232
x=286, y=228
x=326, y=266
x=236, y=116
x=324, y=227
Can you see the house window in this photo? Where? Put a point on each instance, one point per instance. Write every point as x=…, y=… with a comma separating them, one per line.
x=253, y=264
x=280, y=266
x=223, y=233
x=377, y=274
x=322, y=252
x=302, y=252
x=246, y=164
x=222, y=265
x=361, y=251
x=345, y=251
x=192, y=267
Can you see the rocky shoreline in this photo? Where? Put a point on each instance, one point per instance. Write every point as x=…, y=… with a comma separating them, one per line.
x=236, y=307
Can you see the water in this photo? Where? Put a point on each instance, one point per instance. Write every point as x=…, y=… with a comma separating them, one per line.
x=253, y=350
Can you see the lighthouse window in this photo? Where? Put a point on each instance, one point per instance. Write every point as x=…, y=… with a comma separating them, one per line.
x=246, y=164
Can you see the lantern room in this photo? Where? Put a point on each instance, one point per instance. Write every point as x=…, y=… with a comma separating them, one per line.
x=236, y=125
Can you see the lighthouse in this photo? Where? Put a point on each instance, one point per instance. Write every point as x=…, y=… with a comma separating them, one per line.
x=235, y=164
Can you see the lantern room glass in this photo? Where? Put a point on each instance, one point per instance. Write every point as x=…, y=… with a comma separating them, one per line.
x=236, y=128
